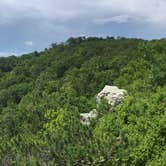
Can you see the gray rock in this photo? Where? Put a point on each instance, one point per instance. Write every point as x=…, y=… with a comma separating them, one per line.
x=87, y=117
x=112, y=94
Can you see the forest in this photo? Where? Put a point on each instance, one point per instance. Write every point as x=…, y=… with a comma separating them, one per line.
x=43, y=93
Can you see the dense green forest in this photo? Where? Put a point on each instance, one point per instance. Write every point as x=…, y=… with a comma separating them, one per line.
x=43, y=93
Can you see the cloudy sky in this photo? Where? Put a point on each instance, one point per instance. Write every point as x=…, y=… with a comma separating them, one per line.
x=28, y=25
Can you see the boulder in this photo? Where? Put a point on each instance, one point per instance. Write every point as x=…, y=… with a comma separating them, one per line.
x=87, y=117
x=112, y=94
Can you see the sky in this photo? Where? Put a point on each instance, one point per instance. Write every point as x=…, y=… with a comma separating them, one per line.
x=29, y=25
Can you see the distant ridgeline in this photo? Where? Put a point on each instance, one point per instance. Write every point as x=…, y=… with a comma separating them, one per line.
x=43, y=95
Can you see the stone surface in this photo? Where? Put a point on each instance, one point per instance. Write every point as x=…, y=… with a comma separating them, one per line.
x=112, y=94
x=87, y=117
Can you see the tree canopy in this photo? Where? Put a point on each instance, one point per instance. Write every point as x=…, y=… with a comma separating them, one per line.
x=43, y=93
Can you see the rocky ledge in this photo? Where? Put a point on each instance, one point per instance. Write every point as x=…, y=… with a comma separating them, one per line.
x=112, y=94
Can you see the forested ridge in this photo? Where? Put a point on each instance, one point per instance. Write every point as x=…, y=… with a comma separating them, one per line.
x=43, y=93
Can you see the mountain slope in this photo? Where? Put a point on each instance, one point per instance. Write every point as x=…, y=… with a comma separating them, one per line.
x=43, y=93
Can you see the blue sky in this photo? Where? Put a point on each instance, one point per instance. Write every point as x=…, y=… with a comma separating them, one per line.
x=28, y=25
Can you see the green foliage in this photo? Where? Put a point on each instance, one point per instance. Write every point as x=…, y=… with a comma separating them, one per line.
x=43, y=93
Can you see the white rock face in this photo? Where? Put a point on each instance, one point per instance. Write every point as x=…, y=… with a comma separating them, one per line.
x=112, y=94
x=87, y=117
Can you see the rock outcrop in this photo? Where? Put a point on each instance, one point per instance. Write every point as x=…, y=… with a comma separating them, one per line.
x=87, y=117
x=112, y=94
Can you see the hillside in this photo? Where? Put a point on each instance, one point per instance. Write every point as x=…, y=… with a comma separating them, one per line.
x=43, y=93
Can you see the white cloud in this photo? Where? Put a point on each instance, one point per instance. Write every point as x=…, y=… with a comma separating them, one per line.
x=117, y=19
x=28, y=43
x=149, y=11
